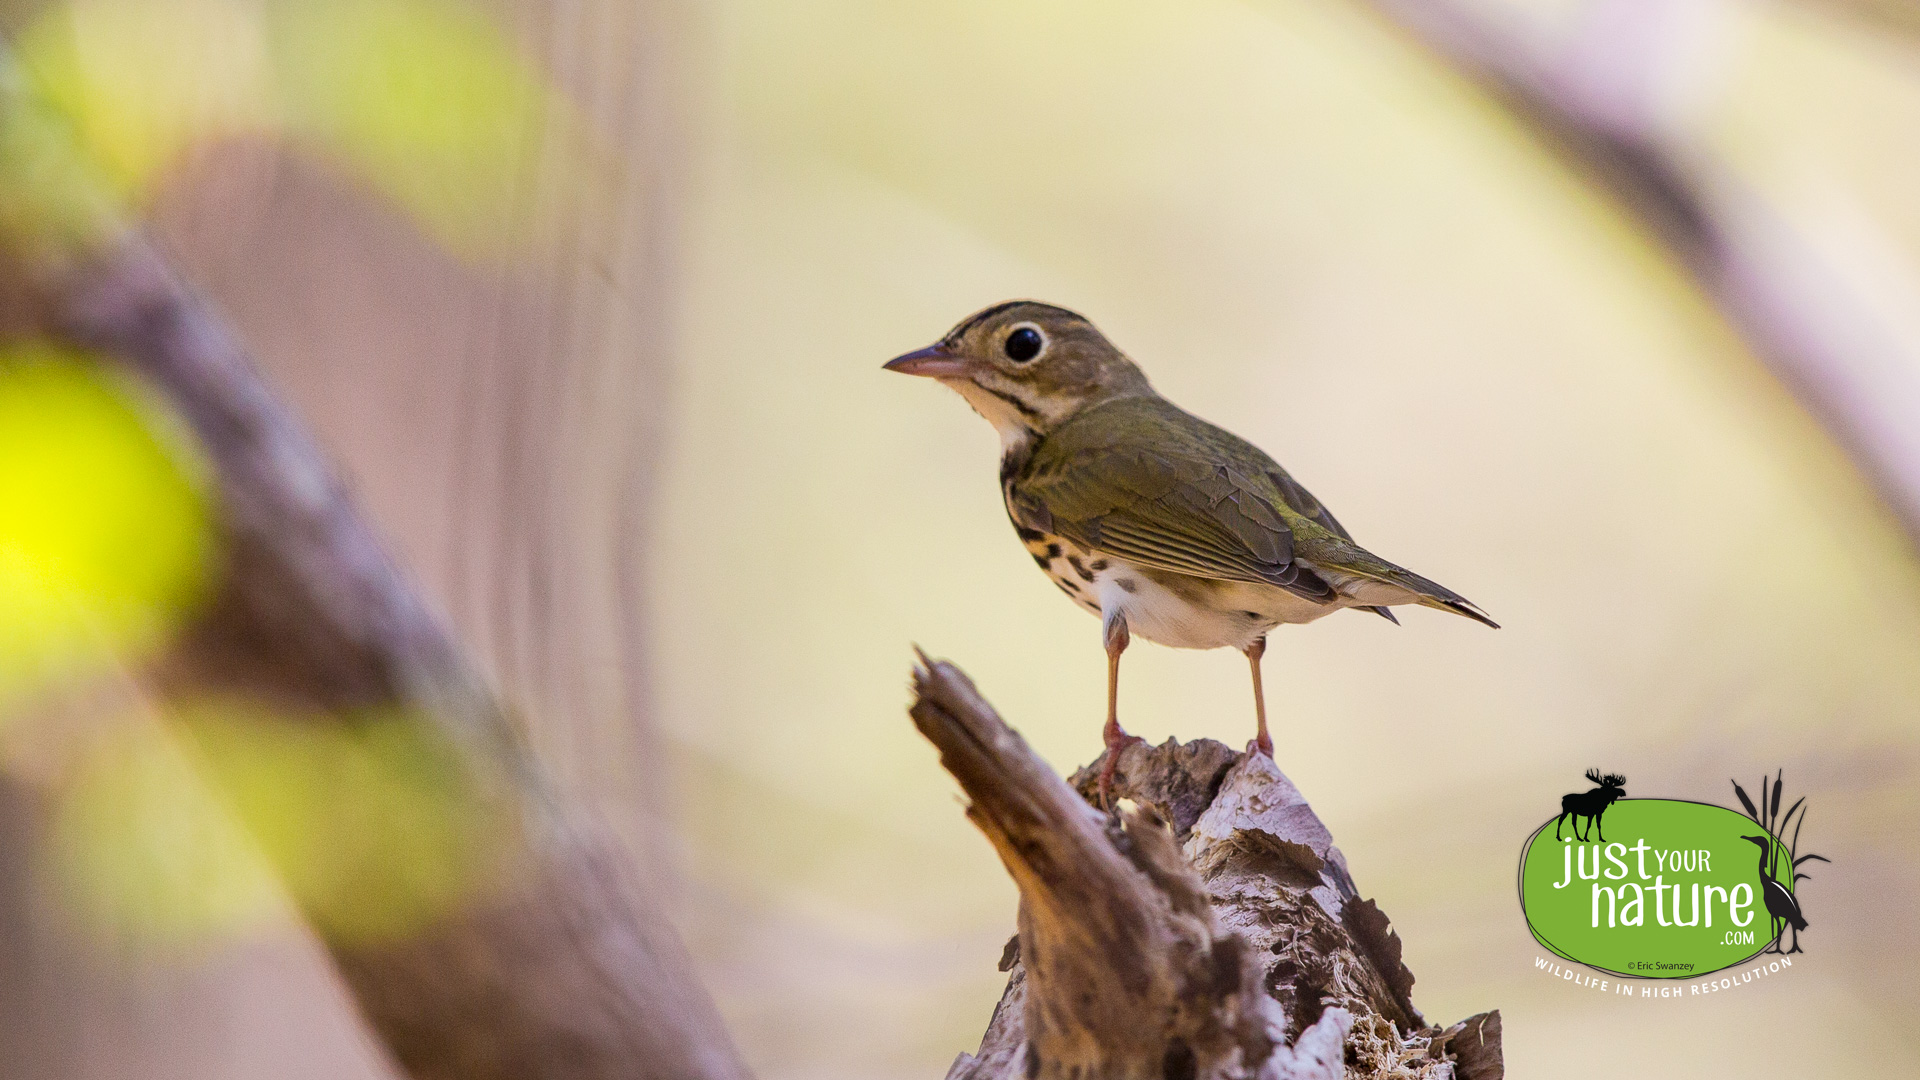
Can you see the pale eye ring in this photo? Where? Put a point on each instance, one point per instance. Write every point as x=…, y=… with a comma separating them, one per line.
x=1024, y=343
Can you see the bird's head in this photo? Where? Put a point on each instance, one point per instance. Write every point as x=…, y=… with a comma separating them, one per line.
x=1027, y=367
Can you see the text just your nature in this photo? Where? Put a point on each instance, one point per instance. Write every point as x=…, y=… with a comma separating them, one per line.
x=1626, y=903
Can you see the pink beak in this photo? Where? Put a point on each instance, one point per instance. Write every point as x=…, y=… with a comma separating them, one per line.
x=934, y=362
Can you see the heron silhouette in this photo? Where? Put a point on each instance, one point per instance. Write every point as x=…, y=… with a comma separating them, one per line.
x=1783, y=910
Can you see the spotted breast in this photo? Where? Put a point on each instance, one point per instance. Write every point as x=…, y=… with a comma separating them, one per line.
x=1171, y=609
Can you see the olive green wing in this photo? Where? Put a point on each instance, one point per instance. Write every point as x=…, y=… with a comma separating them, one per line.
x=1142, y=480
x=1303, y=503
x=1337, y=550
x=1175, y=501
x=1346, y=555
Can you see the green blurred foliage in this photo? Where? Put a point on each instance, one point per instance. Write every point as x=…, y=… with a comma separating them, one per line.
x=173, y=833
x=142, y=847
x=139, y=82
x=427, y=101
x=50, y=200
x=105, y=535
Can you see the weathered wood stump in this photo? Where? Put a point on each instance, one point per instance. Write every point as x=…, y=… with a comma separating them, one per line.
x=1209, y=930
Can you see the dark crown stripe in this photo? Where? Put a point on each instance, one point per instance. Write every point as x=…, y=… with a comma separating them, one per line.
x=977, y=318
x=960, y=331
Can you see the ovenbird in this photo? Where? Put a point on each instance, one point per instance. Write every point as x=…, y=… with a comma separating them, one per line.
x=1146, y=515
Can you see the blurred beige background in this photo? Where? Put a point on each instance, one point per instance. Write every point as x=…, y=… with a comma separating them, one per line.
x=1306, y=230
x=650, y=467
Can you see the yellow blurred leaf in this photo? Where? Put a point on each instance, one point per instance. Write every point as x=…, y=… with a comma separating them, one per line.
x=140, y=80
x=369, y=821
x=105, y=537
x=51, y=196
x=427, y=99
x=142, y=847
x=179, y=831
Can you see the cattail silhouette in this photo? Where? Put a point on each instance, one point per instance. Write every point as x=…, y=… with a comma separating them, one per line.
x=1781, y=901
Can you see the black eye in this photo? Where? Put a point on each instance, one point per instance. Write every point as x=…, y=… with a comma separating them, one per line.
x=1023, y=344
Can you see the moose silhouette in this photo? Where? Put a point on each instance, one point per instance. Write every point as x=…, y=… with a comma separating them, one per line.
x=1590, y=804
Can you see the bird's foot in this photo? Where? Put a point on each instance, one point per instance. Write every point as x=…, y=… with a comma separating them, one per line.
x=1115, y=744
x=1261, y=746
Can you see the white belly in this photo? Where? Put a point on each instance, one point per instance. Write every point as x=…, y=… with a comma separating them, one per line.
x=1171, y=609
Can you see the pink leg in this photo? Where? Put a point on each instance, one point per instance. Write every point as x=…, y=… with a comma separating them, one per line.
x=1113, y=734
x=1261, y=739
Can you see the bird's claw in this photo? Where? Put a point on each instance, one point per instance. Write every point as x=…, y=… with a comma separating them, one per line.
x=1109, y=764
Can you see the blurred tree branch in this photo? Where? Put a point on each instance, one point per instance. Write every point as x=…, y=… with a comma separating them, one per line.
x=1846, y=345
x=557, y=969
x=1212, y=932
x=500, y=417
x=553, y=964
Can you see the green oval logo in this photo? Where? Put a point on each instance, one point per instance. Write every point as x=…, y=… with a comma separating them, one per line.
x=1666, y=890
